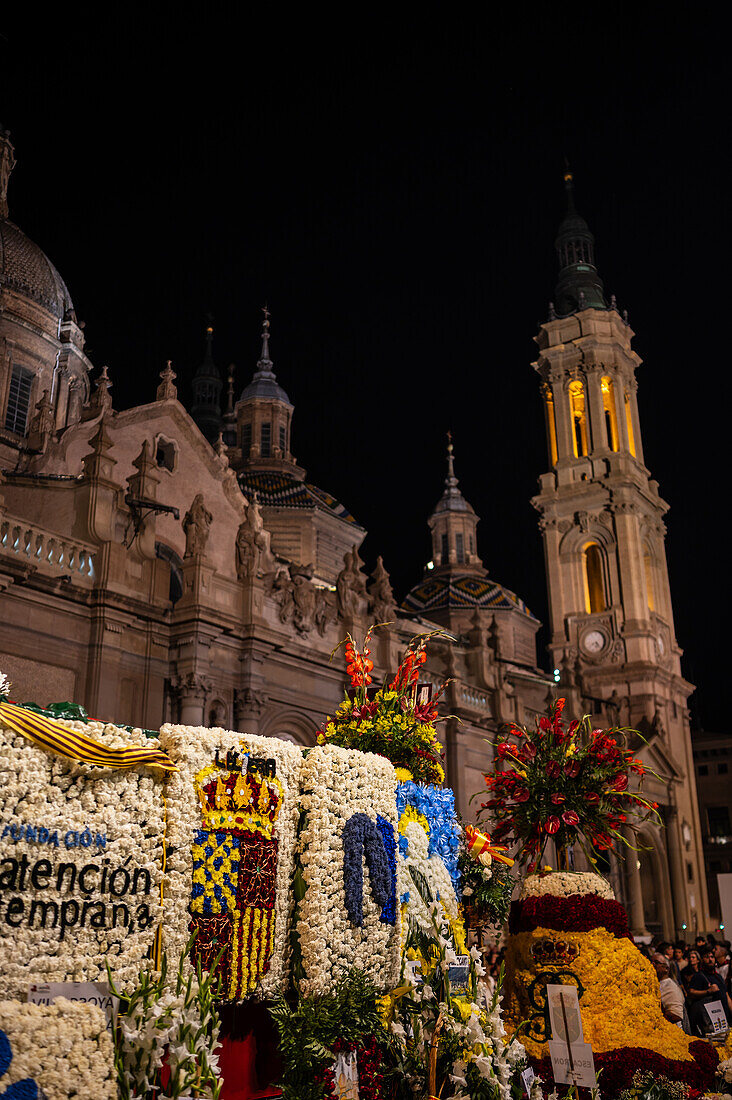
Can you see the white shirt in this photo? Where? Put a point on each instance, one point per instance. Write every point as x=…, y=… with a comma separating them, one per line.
x=672, y=999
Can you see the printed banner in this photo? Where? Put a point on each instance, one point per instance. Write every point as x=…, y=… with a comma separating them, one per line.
x=232, y=827
x=81, y=858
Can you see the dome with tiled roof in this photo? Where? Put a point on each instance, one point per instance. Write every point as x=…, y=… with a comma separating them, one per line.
x=279, y=489
x=24, y=267
x=462, y=592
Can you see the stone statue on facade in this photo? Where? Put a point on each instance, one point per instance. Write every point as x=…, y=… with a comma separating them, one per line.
x=301, y=602
x=42, y=424
x=252, y=543
x=350, y=584
x=381, y=595
x=196, y=524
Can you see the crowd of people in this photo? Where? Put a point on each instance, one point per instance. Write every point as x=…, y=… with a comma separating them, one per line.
x=692, y=977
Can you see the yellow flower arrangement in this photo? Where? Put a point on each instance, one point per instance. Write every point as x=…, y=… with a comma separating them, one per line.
x=620, y=1005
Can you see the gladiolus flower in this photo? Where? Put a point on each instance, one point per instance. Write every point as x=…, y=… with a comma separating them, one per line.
x=551, y=825
x=545, y=724
x=569, y=817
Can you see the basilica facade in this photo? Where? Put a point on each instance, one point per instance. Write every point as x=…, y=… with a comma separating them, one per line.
x=159, y=563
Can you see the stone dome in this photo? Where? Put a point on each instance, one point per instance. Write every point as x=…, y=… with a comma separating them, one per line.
x=462, y=592
x=26, y=269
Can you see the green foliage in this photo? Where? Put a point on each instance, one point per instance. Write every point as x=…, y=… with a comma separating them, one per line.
x=309, y=1028
x=486, y=890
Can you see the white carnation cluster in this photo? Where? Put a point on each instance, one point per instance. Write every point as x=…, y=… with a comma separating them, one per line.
x=4, y=684
x=65, y=1048
x=336, y=784
x=434, y=872
x=193, y=748
x=81, y=855
x=566, y=884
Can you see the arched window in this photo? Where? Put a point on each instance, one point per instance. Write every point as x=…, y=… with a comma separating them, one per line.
x=611, y=416
x=577, y=407
x=594, y=583
x=551, y=424
x=629, y=422
x=648, y=568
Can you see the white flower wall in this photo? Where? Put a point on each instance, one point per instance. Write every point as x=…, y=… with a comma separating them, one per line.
x=65, y=1049
x=348, y=917
x=81, y=854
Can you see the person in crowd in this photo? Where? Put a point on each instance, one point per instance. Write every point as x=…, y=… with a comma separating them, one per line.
x=721, y=953
x=667, y=950
x=705, y=986
x=672, y=999
x=680, y=954
x=693, y=965
x=700, y=942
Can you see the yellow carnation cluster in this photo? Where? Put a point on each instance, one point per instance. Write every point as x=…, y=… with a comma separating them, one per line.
x=613, y=973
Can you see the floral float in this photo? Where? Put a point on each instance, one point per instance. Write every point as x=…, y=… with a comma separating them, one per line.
x=572, y=784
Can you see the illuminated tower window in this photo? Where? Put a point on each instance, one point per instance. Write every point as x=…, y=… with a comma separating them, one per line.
x=611, y=417
x=551, y=424
x=579, y=418
x=629, y=422
x=592, y=574
x=648, y=569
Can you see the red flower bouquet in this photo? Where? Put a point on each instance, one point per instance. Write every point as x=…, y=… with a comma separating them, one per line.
x=565, y=782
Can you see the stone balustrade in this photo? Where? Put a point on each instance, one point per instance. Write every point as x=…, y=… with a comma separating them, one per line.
x=45, y=550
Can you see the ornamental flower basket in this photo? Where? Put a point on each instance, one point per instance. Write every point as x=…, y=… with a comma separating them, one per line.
x=568, y=783
x=390, y=721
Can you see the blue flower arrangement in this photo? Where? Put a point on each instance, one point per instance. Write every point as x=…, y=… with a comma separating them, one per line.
x=374, y=840
x=437, y=805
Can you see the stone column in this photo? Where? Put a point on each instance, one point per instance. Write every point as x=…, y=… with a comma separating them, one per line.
x=633, y=396
x=192, y=691
x=596, y=412
x=562, y=418
x=635, y=892
x=619, y=398
x=679, y=896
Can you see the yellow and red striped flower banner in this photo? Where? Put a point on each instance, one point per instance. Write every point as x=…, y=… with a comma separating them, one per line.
x=52, y=735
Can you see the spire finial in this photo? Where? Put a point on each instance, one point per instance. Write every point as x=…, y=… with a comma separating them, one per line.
x=569, y=187
x=7, y=163
x=230, y=391
x=264, y=357
x=451, y=479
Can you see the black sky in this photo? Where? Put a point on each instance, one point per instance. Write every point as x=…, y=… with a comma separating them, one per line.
x=392, y=188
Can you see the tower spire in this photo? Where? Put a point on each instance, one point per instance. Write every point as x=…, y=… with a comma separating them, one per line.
x=7, y=163
x=579, y=285
x=453, y=523
x=206, y=408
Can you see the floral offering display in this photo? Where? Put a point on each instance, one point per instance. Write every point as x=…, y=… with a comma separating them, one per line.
x=567, y=928
x=81, y=861
x=232, y=830
x=347, y=918
x=486, y=884
x=565, y=782
x=391, y=722
x=57, y=1051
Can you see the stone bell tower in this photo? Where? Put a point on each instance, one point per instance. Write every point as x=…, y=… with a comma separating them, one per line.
x=611, y=620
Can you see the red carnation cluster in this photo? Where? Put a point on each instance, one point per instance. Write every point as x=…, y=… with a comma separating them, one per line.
x=619, y=1066
x=567, y=782
x=576, y=913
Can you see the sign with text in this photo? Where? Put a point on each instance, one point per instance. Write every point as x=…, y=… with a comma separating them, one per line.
x=527, y=1079
x=459, y=974
x=717, y=1016
x=572, y=1064
x=89, y=993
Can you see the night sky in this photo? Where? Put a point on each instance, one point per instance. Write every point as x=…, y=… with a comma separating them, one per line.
x=392, y=188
